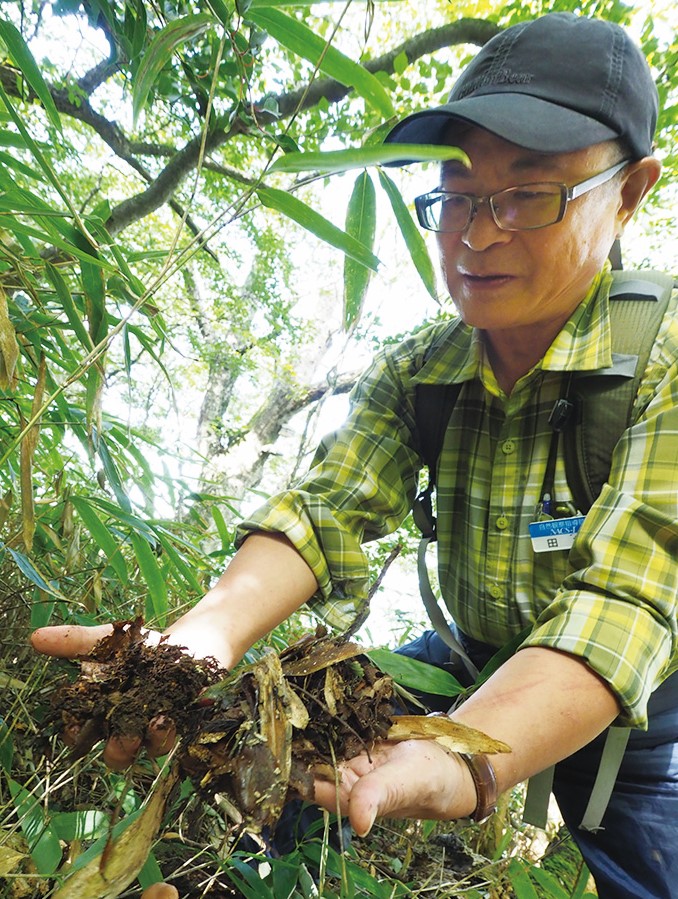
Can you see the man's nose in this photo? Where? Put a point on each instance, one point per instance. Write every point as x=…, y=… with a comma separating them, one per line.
x=482, y=231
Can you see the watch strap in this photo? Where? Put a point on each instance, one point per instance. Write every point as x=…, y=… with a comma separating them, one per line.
x=485, y=782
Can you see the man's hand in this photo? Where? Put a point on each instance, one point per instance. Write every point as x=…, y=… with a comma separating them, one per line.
x=75, y=641
x=411, y=779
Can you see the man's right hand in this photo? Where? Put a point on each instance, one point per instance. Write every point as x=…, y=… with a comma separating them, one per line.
x=75, y=641
x=266, y=581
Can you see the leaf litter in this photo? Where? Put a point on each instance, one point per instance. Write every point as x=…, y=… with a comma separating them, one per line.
x=256, y=737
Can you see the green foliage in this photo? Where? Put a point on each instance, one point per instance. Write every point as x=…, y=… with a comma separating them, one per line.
x=151, y=221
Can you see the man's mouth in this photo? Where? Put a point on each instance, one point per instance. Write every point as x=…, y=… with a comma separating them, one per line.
x=485, y=279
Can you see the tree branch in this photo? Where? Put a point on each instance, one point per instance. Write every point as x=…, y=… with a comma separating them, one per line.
x=161, y=188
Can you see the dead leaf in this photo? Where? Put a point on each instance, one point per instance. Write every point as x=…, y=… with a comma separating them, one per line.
x=29, y=443
x=126, y=855
x=313, y=653
x=10, y=860
x=9, y=348
x=453, y=735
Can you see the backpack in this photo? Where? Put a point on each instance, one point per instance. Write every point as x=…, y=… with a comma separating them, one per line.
x=591, y=417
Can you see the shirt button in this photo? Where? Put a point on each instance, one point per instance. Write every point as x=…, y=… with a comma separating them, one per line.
x=502, y=523
x=508, y=446
x=495, y=591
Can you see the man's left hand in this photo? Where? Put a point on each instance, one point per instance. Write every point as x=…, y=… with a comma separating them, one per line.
x=411, y=779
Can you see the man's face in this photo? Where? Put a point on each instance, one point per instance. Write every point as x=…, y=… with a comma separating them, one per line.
x=526, y=279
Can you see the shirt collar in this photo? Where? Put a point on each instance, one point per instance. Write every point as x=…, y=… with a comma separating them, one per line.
x=583, y=344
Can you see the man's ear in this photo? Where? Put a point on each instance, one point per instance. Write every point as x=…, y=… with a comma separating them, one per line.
x=639, y=179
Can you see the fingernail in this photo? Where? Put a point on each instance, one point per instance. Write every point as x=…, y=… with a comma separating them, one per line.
x=371, y=819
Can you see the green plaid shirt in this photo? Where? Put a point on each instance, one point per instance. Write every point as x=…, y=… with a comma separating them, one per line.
x=612, y=599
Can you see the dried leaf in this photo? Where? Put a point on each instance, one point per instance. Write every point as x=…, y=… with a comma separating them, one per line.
x=28, y=446
x=276, y=731
x=125, y=855
x=5, y=507
x=10, y=859
x=320, y=653
x=453, y=735
x=9, y=348
x=298, y=712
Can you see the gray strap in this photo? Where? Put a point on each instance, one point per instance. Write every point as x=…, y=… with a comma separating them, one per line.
x=539, y=786
x=434, y=611
x=536, y=811
x=610, y=762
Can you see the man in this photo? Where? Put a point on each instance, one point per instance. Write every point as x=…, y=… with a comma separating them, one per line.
x=556, y=117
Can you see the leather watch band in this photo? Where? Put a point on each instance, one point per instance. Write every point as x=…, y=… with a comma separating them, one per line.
x=485, y=782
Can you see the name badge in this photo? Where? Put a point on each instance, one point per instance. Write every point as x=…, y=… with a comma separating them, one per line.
x=556, y=534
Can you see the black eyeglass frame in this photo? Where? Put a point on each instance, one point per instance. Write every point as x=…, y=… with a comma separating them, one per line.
x=424, y=201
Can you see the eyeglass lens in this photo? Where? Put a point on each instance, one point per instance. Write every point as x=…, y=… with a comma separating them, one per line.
x=517, y=208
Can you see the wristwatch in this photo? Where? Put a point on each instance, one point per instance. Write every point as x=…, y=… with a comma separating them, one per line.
x=485, y=782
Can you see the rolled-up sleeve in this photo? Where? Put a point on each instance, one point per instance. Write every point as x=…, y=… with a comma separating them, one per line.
x=618, y=609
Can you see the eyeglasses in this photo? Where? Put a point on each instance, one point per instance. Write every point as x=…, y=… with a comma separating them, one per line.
x=522, y=208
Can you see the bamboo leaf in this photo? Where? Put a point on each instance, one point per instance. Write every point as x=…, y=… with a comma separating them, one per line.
x=304, y=42
x=43, y=843
x=94, y=285
x=23, y=59
x=183, y=570
x=520, y=880
x=549, y=883
x=160, y=51
x=109, y=544
x=157, y=603
x=112, y=475
x=451, y=734
x=317, y=224
x=412, y=236
x=222, y=528
x=66, y=299
x=361, y=223
x=27, y=568
x=333, y=161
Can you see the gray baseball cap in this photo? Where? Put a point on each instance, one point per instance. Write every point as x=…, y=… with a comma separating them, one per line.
x=554, y=84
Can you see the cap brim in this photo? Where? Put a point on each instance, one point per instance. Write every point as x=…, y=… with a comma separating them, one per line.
x=522, y=119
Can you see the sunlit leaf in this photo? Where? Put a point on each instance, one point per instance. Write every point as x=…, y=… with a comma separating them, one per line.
x=361, y=223
x=317, y=224
x=112, y=475
x=160, y=51
x=157, y=601
x=414, y=239
x=300, y=39
x=23, y=59
x=361, y=157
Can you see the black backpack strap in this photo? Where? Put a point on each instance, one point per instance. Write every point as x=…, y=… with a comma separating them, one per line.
x=603, y=400
x=433, y=405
